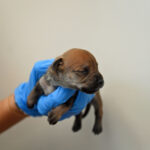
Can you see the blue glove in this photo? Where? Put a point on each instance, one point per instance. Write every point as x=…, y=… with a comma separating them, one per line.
x=47, y=103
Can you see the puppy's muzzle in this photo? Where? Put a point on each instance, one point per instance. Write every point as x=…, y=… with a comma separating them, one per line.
x=97, y=83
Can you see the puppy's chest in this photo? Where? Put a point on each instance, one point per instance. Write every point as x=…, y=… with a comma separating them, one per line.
x=46, y=84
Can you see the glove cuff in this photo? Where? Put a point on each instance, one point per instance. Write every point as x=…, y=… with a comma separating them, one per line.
x=21, y=100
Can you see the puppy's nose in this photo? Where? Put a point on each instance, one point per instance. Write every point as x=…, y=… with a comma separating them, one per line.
x=99, y=80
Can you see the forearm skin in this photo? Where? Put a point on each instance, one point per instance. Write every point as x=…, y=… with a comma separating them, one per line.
x=9, y=113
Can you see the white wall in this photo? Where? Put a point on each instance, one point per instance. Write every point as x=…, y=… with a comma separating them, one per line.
x=116, y=32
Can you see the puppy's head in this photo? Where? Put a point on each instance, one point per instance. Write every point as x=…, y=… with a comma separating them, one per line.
x=77, y=69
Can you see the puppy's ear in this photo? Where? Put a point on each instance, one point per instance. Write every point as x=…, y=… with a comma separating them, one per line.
x=58, y=65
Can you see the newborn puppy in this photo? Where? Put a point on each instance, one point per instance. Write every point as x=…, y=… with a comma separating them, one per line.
x=75, y=69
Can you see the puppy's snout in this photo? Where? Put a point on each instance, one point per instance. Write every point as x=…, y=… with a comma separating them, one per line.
x=99, y=80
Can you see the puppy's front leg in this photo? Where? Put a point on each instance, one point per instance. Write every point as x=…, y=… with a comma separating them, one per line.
x=34, y=95
x=55, y=115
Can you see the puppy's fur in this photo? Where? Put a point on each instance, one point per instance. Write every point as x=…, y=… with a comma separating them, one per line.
x=76, y=69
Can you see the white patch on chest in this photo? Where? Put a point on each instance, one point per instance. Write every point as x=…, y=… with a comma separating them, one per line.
x=46, y=87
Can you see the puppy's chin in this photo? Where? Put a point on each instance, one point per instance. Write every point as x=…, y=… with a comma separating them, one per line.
x=92, y=89
x=89, y=90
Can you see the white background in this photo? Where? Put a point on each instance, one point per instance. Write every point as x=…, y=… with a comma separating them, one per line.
x=116, y=32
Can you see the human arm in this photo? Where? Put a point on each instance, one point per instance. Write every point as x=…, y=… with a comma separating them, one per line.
x=10, y=114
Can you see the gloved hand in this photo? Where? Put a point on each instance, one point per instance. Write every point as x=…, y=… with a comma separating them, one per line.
x=46, y=103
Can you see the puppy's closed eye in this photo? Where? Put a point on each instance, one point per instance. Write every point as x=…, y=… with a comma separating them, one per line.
x=84, y=71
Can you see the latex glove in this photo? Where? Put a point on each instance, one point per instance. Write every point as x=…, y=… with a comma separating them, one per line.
x=46, y=103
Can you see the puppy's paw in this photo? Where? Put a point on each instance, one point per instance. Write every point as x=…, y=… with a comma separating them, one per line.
x=30, y=103
x=76, y=127
x=97, y=129
x=53, y=117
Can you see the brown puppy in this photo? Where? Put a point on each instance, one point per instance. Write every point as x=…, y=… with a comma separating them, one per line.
x=76, y=69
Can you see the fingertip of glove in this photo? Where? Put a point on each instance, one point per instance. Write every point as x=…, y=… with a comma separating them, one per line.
x=86, y=95
x=43, y=63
